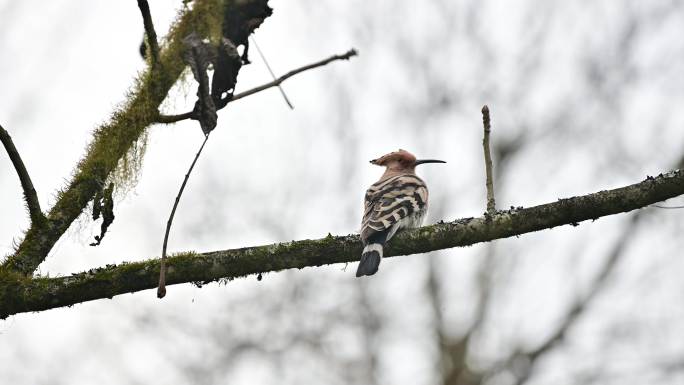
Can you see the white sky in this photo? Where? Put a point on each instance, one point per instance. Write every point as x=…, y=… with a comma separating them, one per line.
x=595, y=87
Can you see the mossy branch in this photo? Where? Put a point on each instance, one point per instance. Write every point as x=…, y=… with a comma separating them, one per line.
x=149, y=31
x=113, y=140
x=22, y=294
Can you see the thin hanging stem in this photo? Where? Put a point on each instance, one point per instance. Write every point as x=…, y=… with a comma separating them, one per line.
x=161, y=289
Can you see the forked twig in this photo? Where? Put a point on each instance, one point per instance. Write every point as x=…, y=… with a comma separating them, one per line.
x=229, y=99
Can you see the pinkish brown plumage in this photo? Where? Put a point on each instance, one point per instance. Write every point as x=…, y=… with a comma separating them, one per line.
x=398, y=200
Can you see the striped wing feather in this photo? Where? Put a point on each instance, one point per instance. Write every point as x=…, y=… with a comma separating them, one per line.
x=392, y=203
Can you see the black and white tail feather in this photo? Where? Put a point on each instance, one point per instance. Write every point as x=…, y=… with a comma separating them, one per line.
x=392, y=204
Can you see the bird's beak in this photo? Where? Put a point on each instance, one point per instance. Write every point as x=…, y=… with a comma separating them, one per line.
x=421, y=161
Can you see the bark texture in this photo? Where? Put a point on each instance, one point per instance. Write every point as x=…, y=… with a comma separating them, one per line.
x=30, y=195
x=19, y=293
x=113, y=140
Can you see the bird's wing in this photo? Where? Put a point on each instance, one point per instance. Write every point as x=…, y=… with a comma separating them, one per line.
x=389, y=201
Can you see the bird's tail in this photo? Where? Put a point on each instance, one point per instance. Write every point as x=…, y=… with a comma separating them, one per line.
x=370, y=259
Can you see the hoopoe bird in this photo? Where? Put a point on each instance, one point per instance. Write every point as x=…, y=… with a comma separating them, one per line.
x=397, y=201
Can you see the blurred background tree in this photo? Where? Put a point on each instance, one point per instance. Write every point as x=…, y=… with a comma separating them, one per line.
x=584, y=96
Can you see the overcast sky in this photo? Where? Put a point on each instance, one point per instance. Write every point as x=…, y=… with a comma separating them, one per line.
x=586, y=95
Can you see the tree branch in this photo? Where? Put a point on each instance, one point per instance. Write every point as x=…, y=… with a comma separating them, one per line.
x=22, y=294
x=491, y=203
x=113, y=140
x=161, y=289
x=229, y=99
x=149, y=31
x=524, y=362
x=29, y=191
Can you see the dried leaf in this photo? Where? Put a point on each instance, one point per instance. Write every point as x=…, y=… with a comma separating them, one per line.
x=226, y=68
x=198, y=55
x=235, y=32
x=106, y=206
x=97, y=205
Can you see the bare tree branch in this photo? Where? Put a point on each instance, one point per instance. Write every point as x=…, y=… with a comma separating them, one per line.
x=229, y=99
x=113, y=140
x=29, y=191
x=491, y=203
x=21, y=294
x=456, y=368
x=668, y=207
x=149, y=31
x=453, y=366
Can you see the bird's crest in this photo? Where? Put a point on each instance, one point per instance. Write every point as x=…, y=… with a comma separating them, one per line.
x=401, y=155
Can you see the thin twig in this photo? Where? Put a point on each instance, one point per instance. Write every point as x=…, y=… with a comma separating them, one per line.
x=668, y=207
x=149, y=30
x=29, y=191
x=229, y=99
x=161, y=289
x=168, y=119
x=491, y=203
x=345, y=56
x=263, y=57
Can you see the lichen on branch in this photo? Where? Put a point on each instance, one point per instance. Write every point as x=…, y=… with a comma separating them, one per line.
x=21, y=294
x=113, y=140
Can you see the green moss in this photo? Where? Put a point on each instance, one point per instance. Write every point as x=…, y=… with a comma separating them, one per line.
x=11, y=295
x=116, y=152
